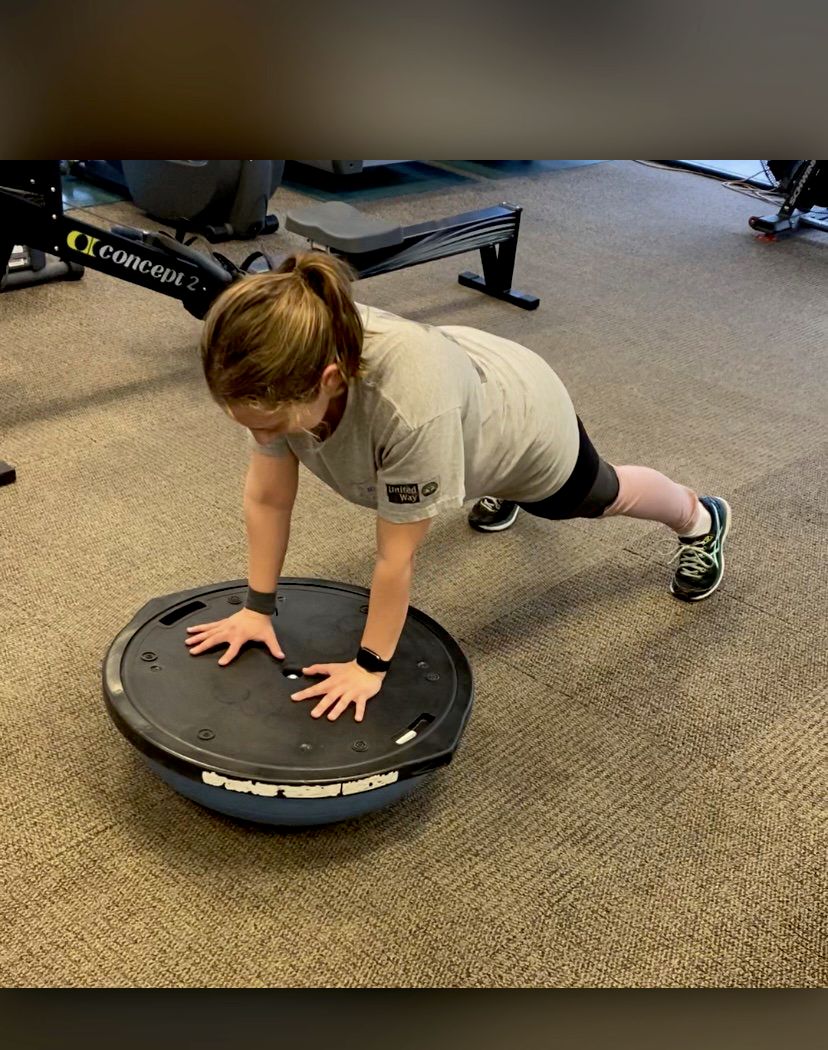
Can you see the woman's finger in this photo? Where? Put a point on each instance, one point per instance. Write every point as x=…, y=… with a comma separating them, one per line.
x=324, y=705
x=272, y=642
x=203, y=626
x=340, y=706
x=210, y=642
x=317, y=669
x=313, y=690
x=196, y=638
x=231, y=654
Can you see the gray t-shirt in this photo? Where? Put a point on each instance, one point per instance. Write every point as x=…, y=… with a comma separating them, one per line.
x=443, y=415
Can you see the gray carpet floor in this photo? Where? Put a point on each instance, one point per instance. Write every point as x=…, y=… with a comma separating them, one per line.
x=639, y=798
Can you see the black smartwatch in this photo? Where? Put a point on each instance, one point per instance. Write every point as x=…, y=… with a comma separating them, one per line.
x=368, y=660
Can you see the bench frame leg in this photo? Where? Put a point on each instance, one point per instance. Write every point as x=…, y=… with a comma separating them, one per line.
x=498, y=262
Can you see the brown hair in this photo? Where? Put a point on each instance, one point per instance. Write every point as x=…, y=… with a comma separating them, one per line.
x=269, y=336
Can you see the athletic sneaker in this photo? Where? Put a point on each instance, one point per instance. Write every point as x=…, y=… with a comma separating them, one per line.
x=701, y=560
x=493, y=515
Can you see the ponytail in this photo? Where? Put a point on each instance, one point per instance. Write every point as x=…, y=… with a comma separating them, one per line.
x=329, y=279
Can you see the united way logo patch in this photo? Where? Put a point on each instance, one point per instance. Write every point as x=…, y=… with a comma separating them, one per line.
x=403, y=493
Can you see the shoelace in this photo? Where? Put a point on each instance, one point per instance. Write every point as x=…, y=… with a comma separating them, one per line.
x=491, y=503
x=694, y=562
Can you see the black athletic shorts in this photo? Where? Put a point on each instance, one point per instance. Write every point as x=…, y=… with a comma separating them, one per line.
x=588, y=491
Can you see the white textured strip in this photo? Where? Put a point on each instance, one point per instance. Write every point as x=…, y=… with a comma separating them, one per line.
x=354, y=787
x=255, y=787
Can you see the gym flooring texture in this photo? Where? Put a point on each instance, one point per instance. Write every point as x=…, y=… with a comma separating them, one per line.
x=639, y=798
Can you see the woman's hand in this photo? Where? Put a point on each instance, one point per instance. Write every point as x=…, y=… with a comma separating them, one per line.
x=243, y=626
x=346, y=684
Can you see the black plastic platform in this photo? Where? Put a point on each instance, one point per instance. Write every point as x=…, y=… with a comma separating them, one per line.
x=232, y=739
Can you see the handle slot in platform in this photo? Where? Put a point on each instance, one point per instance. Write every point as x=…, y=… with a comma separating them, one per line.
x=179, y=614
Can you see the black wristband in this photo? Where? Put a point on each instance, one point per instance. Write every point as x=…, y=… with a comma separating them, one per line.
x=263, y=602
x=368, y=660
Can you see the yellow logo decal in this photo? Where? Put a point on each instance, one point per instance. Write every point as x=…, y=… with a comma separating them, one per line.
x=81, y=242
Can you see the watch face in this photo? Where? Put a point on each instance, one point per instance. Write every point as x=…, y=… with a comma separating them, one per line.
x=370, y=661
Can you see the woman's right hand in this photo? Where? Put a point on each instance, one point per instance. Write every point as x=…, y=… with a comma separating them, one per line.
x=243, y=626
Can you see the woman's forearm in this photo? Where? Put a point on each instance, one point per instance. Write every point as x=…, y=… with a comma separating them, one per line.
x=268, y=532
x=388, y=607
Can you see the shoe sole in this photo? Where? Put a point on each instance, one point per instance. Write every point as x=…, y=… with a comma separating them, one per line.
x=715, y=587
x=498, y=528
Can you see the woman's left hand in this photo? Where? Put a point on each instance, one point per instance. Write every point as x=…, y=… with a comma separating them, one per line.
x=346, y=684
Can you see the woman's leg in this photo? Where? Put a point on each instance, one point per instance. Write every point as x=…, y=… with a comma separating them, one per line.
x=598, y=490
x=701, y=525
x=648, y=494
